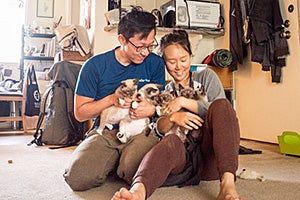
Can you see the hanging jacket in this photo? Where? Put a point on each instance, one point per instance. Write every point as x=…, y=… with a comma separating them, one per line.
x=267, y=47
x=238, y=46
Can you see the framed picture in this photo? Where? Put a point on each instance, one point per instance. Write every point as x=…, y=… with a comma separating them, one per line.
x=45, y=8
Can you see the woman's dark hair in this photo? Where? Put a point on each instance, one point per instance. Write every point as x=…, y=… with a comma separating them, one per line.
x=135, y=22
x=176, y=37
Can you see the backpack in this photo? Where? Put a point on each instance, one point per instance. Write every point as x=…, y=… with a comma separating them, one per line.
x=60, y=128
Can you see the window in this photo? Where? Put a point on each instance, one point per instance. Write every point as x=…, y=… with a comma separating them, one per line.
x=12, y=17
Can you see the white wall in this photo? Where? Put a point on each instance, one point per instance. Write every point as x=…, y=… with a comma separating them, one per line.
x=266, y=109
x=68, y=9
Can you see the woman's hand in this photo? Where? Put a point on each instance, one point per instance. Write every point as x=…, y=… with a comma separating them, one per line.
x=174, y=105
x=187, y=120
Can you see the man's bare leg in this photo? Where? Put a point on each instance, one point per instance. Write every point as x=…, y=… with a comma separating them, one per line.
x=136, y=192
x=227, y=188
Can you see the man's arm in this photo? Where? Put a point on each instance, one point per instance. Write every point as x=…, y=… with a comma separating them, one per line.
x=86, y=108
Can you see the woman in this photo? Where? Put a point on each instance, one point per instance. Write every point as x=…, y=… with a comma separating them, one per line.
x=213, y=128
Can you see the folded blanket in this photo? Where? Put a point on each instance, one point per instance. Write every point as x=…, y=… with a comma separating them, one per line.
x=74, y=35
x=219, y=58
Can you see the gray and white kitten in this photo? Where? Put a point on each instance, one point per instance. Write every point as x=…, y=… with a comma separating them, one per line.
x=113, y=115
x=190, y=93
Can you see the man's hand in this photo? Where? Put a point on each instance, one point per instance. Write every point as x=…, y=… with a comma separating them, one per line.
x=122, y=103
x=143, y=110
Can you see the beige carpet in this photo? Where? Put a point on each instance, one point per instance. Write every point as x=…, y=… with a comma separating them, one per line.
x=36, y=173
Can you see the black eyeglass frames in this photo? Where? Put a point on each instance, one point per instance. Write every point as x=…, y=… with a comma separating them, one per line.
x=141, y=49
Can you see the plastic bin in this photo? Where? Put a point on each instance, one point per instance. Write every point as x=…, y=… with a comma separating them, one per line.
x=289, y=143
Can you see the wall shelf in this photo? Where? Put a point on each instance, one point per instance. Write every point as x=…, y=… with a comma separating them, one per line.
x=38, y=58
x=203, y=31
x=40, y=35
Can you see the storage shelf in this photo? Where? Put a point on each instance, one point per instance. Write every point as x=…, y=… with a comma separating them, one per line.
x=39, y=35
x=203, y=31
x=38, y=58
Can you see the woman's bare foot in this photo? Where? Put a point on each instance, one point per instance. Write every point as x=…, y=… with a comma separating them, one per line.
x=136, y=192
x=227, y=188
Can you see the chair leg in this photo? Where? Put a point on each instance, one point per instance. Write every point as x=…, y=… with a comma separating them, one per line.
x=23, y=115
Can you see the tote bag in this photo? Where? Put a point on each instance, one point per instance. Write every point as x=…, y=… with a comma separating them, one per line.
x=33, y=99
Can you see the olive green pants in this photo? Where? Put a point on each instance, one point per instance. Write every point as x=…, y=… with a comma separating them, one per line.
x=99, y=155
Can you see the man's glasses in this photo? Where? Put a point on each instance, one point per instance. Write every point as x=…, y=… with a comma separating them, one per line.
x=141, y=49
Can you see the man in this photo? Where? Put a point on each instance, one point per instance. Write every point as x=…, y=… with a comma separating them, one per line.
x=99, y=155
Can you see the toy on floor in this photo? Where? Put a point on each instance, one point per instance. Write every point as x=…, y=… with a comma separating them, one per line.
x=249, y=174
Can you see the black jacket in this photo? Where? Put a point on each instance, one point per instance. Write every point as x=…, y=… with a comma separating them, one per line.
x=267, y=47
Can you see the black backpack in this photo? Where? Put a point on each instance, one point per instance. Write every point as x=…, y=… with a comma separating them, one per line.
x=60, y=128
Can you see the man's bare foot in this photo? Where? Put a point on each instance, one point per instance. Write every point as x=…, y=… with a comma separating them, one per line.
x=227, y=188
x=137, y=192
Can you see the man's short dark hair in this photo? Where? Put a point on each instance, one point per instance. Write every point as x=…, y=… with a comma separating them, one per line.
x=135, y=22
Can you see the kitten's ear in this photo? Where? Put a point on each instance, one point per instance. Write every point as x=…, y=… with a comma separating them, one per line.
x=202, y=90
x=136, y=81
x=159, y=86
x=123, y=83
x=180, y=87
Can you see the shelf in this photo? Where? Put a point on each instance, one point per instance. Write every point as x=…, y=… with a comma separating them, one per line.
x=203, y=31
x=10, y=119
x=38, y=58
x=40, y=35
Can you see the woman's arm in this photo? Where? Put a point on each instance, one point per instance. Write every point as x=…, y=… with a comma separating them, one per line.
x=213, y=89
x=182, y=103
x=187, y=120
x=193, y=119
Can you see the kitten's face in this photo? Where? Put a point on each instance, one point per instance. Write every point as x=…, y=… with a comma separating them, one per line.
x=128, y=88
x=149, y=91
x=191, y=93
x=163, y=98
x=186, y=92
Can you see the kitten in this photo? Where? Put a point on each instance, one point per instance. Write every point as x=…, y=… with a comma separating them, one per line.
x=130, y=127
x=190, y=93
x=161, y=101
x=112, y=115
x=197, y=93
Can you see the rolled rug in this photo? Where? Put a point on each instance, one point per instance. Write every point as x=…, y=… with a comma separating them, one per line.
x=219, y=58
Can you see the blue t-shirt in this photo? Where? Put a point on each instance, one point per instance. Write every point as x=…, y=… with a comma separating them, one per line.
x=102, y=74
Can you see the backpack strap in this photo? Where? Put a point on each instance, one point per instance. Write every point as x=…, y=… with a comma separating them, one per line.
x=72, y=120
x=70, y=108
x=38, y=137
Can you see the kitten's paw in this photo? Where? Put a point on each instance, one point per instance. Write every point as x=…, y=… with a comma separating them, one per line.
x=99, y=131
x=122, y=137
x=158, y=110
x=121, y=101
x=109, y=126
x=134, y=105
